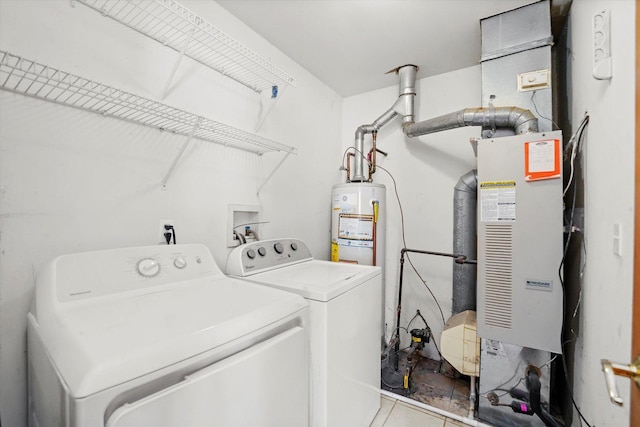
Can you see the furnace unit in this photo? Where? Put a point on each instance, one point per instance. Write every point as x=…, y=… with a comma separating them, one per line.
x=520, y=240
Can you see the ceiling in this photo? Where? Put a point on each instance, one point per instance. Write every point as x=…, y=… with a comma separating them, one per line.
x=351, y=44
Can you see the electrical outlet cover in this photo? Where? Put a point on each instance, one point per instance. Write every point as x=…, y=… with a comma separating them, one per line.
x=602, y=63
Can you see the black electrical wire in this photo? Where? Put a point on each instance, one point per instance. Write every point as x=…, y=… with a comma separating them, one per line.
x=515, y=373
x=533, y=101
x=414, y=318
x=534, y=386
x=404, y=241
x=172, y=231
x=504, y=389
x=577, y=143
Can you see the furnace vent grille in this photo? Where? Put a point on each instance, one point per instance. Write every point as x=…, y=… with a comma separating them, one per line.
x=499, y=275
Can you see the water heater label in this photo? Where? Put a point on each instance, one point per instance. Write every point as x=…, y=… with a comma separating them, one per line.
x=355, y=230
x=497, y=201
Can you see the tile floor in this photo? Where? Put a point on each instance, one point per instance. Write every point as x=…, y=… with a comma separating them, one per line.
x=395, y=413
x=432, y=388
x=429, y=389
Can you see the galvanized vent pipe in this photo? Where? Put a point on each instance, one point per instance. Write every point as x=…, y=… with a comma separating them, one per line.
x=403, y=106
x=520, y=120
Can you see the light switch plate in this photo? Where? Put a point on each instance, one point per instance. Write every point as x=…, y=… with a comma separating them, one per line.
x=617, y=239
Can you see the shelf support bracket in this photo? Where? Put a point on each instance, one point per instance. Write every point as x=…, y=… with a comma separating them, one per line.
x=271, y=103
x=273, y=172
x=181, y=152
x=165, y=91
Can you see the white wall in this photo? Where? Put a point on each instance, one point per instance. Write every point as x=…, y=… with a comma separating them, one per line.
x=426, y=170
x=74, y=181
x=605, y=320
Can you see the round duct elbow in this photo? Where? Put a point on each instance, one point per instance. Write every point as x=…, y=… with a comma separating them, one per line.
x=468, y=182
x=523, y=121
x=518, y=119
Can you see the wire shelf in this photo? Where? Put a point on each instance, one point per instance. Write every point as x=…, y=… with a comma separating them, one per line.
x=30, y=78
x=173, y=25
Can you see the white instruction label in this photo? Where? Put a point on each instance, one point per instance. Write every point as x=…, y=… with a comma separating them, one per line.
x=494, y=348
x=355, y=230
x=541, y=156
x=497, y=201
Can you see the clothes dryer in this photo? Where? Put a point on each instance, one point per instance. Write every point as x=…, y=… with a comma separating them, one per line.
x=344, y=313
x=159, y=336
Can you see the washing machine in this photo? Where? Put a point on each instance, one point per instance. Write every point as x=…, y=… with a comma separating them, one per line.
x=344, y=319
x=159, y=336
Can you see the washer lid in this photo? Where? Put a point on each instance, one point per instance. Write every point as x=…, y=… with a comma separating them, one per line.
x=317, y=280
x=98, y=343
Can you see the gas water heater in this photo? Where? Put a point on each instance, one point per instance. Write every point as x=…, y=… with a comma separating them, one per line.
x=358, y=223
x=358, y=228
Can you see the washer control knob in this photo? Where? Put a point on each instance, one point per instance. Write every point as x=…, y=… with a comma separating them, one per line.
x=294, y=246
x=262, y=251
x=251, y=254
x=148, y=267
x=278, y=248
x=180, y=262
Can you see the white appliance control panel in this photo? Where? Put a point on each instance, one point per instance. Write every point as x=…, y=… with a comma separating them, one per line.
x=264, y=255
x=92, y=274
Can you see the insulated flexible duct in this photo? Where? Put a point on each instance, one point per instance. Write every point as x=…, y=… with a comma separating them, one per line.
x=464, y=241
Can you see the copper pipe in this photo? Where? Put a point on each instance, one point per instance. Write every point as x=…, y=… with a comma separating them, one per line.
x=349, y=156
x=372, y=165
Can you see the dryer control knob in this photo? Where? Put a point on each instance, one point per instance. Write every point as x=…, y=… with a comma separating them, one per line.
x=278, y=247
x=180, y=262
x=262, y=251
x=251, y=254
x=294, y=246
x=148, y=267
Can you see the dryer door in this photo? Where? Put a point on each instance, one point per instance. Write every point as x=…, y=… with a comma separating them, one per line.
x=265, y=385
